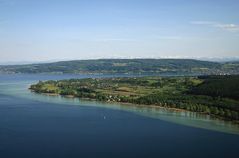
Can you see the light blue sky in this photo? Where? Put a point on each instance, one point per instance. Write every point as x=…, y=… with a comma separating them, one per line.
x=39, y=30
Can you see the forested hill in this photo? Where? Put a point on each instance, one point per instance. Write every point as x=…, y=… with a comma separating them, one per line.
x=160, y=66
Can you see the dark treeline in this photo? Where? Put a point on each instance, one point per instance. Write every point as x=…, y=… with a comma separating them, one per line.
x=218, y=86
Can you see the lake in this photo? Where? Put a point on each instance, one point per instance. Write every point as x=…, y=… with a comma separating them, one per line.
x=36, y=126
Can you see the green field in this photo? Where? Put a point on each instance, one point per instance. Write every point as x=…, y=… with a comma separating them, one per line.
x=214, y=95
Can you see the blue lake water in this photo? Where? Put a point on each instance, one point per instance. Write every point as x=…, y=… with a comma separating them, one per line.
x=33, y=125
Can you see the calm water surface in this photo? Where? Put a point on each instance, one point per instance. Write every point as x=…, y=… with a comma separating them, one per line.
x=33, y=125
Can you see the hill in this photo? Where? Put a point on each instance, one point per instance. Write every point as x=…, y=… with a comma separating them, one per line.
x=138, y=66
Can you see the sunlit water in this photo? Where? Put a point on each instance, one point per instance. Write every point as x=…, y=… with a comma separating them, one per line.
x=38, y=117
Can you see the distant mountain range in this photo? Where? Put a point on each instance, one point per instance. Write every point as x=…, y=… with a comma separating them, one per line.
x=128, y=66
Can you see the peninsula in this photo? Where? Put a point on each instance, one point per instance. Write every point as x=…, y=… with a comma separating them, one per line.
x=213, y=95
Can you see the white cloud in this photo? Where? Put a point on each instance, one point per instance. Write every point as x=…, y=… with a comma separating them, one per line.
x=223, y=26
x=203, y=22
x=228, y=27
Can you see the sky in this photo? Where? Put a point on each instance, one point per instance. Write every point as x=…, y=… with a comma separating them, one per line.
x=51, y=30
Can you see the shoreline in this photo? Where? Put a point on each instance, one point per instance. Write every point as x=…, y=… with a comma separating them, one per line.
x=123, y=103
x=138, y=105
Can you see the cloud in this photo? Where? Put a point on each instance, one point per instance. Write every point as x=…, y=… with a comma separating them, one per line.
x=222, y=26
x=203, y=22
x=228, y=27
